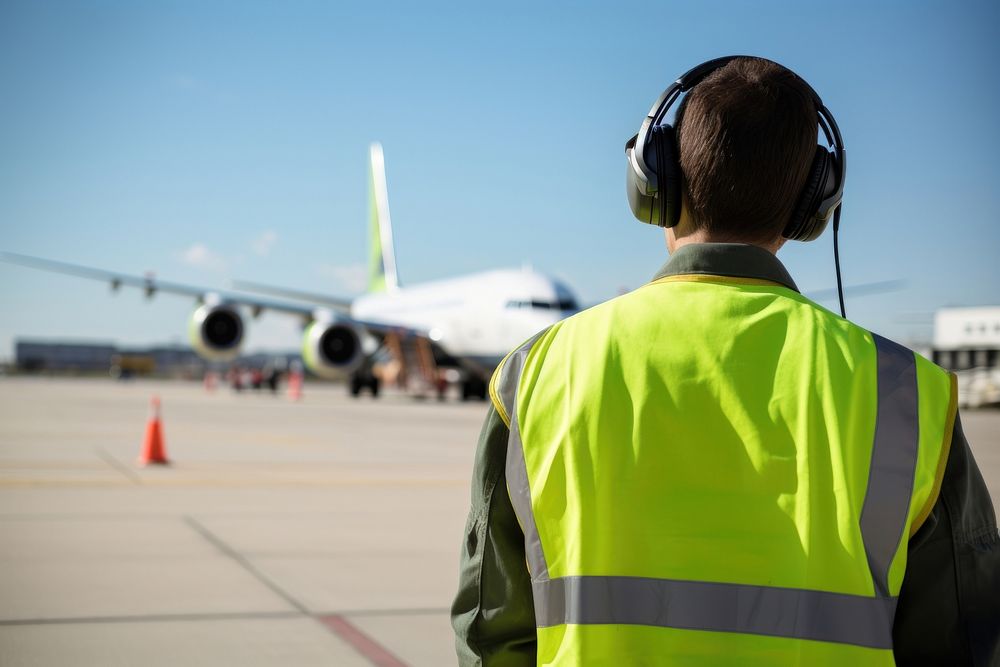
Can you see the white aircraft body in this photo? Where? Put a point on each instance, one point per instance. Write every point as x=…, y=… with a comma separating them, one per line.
x=470, y=321
x=476, y=318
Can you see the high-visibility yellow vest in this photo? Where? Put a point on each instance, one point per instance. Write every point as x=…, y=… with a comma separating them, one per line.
x=717, y=471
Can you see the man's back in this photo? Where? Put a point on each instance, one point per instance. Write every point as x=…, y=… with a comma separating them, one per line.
x=687, y=428
x=714, y=430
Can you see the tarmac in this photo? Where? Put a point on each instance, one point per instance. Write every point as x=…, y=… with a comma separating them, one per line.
x=320, y=532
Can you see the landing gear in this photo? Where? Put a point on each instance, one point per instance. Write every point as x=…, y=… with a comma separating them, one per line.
x=473, y=387
x=364, y=379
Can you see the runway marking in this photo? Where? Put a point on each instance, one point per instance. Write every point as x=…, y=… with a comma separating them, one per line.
x=108, y=458
x=377, y=654
x=359, y=641
x=245, y=563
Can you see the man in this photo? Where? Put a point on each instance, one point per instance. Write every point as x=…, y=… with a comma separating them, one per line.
x=713, y=469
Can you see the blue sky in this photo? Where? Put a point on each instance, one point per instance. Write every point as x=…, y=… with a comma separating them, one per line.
x=209, y=140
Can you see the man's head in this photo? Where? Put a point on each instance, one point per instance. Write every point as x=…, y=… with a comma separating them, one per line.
x=746, y=140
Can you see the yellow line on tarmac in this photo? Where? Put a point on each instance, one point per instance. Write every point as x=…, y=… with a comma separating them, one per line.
x=22, y=464
x=148, y=482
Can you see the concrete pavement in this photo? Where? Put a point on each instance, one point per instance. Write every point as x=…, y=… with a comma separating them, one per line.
x=324, y=532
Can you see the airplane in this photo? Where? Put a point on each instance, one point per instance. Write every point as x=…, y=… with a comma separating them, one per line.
x=468, y=322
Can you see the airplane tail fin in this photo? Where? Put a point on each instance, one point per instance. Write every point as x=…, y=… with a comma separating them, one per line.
x=381, y=257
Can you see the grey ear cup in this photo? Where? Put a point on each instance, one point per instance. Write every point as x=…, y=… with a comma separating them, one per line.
x=656, y=200
x=807, y=222
x=639, y=202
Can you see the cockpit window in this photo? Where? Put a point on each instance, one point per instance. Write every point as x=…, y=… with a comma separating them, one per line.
x=537, y=304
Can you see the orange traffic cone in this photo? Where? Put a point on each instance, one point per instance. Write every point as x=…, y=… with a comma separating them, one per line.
x=295, y=385
x=153, y=449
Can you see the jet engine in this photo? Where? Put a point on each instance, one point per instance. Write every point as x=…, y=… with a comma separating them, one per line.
x=216, y=332
x=332, y=349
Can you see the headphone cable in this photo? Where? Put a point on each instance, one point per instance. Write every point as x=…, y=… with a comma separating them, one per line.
x=836, y=260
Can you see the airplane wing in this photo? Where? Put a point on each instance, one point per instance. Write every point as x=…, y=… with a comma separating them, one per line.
x=148, y=284
x=861, y=289
x=151, y=286
x=291, y=293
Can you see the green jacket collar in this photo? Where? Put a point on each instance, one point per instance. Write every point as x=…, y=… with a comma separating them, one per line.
x=737, y=260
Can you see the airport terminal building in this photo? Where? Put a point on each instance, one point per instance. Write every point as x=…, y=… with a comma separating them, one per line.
x=967, y=341
x=42, y=356
x=86, y=358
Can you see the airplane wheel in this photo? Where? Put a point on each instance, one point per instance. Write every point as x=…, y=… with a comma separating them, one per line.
x=474, y=388
x=356, y=384
x=374, y=386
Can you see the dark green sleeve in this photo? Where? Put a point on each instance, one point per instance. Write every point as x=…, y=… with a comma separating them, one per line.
x=492, y=614
x=949, y=606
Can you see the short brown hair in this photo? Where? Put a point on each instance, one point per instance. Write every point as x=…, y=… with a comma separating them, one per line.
x=746, y=138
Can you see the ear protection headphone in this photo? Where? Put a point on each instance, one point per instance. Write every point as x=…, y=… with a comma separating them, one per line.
x=653, y=175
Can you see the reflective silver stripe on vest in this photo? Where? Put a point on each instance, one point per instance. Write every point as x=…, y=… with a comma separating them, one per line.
x=517, y=470
x=894, y=459
x=728, y=607
x=700, y=605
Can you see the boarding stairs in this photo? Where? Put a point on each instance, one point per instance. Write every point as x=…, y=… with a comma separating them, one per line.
x=417, y=371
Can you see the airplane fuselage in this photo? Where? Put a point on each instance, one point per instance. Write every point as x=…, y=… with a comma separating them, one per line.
x=477, y=318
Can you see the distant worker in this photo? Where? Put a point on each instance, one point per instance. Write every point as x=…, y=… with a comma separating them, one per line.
x=272, y=377
x=236, y=378
x=712, y=469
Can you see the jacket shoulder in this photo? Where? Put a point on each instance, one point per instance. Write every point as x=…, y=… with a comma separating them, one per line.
x=503, y=382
